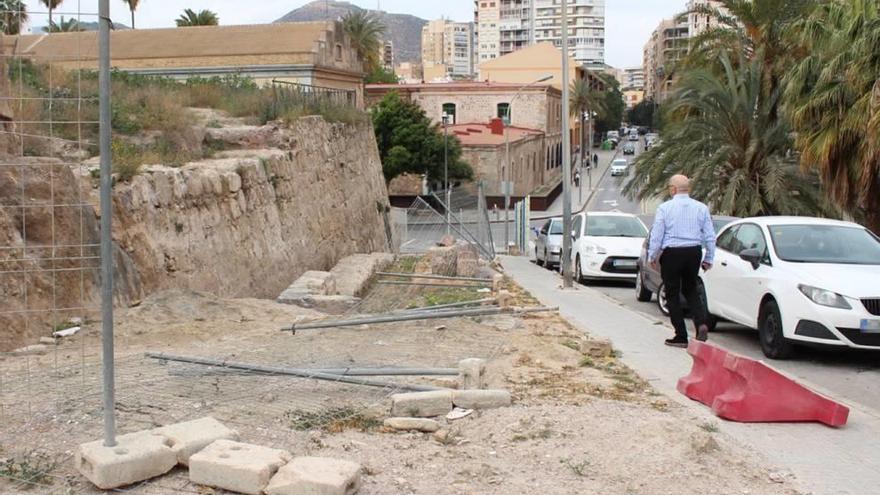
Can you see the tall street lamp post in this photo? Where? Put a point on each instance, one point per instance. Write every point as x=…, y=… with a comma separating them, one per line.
x=566, y=157
x=505, y=177
x=446, y=165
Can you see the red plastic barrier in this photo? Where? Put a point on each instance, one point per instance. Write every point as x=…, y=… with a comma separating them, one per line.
x=708, y=377
x=758, y=393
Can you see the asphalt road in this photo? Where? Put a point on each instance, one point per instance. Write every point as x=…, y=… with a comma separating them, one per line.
x=850, y=376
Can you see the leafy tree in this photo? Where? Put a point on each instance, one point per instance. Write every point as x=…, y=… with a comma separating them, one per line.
x=132, y=6
x=68, y=26
x=13, y=14
x=201, y=18
x=585, y=101
x=833, y=100
x=642, y=114
x=720, y=132
x=410, y=143
x=613, y=107
x=365, y=31
x=51, y=5
x=380, y=75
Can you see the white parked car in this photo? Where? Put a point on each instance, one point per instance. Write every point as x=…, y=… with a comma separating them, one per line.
x=798, y=280
x=619, y=166
x=606, y=245
x=548, y=243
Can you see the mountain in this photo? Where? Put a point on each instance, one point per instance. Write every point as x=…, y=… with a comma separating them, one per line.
x=404, y=30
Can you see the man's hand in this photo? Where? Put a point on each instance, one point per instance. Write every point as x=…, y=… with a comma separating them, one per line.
x=655, y=265
x=706, y=266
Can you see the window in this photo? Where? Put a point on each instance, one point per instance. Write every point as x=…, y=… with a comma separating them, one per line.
x=338, y=52
x=449, y=111
x=546, y=227
x=504, y=112
x=576, y=226
x=749, y=236
x=725, y=241
x=826, y=244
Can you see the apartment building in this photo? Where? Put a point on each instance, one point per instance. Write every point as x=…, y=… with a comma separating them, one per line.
x=449, y=45
x=700, y=23
x=667, y=45
x=505, y=26
x=387, y=55
x=632, y=78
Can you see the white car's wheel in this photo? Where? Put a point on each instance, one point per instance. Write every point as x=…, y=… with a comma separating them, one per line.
x=662, y=303
x=642, y=294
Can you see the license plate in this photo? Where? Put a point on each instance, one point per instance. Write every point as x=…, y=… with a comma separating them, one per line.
x=624, y=263
x=870, y=326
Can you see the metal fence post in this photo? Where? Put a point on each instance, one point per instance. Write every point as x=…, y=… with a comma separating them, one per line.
x=106, y=224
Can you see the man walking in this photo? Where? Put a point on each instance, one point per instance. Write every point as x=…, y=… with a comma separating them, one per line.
x=682, y=228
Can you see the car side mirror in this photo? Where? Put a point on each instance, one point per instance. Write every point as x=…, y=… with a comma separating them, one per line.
x=753, y=256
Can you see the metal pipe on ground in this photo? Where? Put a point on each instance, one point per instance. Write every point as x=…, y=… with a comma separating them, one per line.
x=274, y=370
x=391, y=318
x=450, y=305
x=430, y=284
x=434, y=277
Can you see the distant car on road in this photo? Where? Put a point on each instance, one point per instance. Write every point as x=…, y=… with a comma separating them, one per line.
x=798, y=280
x=634, y=135
x=629, y=149
x=650, y=282
x=548, y=245
x=620, y=166
x=606, y=245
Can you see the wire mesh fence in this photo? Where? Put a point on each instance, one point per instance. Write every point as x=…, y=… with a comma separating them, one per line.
x=466, y=218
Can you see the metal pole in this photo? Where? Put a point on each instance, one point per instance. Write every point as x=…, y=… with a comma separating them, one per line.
x=410, y=317
x=590, y=168
x=505, y=183
x=475, y=302
x=566, y=157
x=109, y=399
x=446, y=166
x=288, y=371
x=434, y=277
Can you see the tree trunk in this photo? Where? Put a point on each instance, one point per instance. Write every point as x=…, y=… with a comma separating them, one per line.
x=132, y=18
x=50, y=19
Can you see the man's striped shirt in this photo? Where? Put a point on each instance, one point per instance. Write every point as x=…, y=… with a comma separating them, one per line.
x=682, y=222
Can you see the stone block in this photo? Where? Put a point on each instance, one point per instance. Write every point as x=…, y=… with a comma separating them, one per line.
x=504, y=299
x=481, y=399
x=190, y=437
x=497, y=282
x=465, y=267
x=332, y=305
x=310, y=283
x=417, y=424
x=316, y=476
x=470, y=373
x=447, y=241
x=136, y=457
x=353, y=273
x=237, y=467
x=422, y=404
x=597, y=348
x=444, y=260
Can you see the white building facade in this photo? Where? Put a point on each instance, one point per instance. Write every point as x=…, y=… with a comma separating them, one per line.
x=505, y=26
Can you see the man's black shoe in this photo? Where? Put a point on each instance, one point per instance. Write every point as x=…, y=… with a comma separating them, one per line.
x=702, y=333
x=677, y=342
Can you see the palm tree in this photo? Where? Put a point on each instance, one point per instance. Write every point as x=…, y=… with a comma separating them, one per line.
x=202, y=18
x=833, y=100
x=585, y=101
x=13, y=14
x=721, y=134
x=51, y=5
x=753, y=28
x=132, y=6
x=68, y=26
x=365, y=31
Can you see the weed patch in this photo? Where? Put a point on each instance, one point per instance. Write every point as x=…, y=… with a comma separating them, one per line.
x=333, y=420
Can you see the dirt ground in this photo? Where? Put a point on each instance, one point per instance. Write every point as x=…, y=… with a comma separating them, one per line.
x=581, y=421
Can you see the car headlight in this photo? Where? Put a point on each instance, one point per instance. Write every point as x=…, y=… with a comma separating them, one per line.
x=596, y=249
x=824, y=297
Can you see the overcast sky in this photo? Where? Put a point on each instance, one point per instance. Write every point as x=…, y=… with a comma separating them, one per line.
x=628, y=22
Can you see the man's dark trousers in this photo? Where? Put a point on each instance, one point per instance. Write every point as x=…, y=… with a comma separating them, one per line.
x=679, y=267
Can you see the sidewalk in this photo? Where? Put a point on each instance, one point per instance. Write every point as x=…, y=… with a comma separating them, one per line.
x=555, y=209
x=824, y=461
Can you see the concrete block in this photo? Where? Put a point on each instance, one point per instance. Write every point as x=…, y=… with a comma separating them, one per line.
x=466, y=267
x=470, y=373
x=417, y=424
x=422, y=404
x=497, y=282
x=481, y=399
x=310, y=283
x=316, y=476
x=237, y=467
x=136, y=457
x=190, y=437
x=353, y=273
